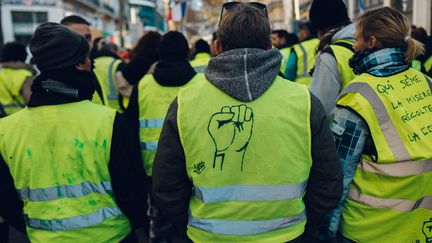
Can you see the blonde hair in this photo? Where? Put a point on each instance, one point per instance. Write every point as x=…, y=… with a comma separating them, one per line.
x=390, y=28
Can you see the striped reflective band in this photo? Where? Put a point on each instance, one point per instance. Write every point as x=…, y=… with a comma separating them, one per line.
x=390, y=203
x=113, y=93
x=399, y=169
x=200, y=69
x=305, y=58
x=12, y=106
x=235, y=227
x=64, y=191
x=387, y=127
x=77, y=222
x=151, y=123
x=149, y=146
x=250, y=192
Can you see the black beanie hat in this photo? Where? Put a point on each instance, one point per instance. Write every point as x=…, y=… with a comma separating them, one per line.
x=55, y=46
x=328, y=13
x=173, y=45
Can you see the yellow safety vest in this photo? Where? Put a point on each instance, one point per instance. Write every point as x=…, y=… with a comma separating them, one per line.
x=305, y=52
x=105, y=69
x=390, y=197
x=200, y=62
x=428, y=64
x=153, y=101
x=246, y=188
x=342, y=51
x=11, y=83
x=58, y=156
x=285, y=56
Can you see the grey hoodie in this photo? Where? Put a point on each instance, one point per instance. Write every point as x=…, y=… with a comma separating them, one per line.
x=326, y=80
x=244, y=74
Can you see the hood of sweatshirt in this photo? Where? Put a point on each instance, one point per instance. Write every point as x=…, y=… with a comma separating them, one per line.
x=244, y=74
x=346, y=33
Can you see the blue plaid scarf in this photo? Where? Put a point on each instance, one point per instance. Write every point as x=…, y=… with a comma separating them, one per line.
x=383, y=62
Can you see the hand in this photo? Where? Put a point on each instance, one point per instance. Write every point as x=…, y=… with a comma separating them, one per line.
x=427, y=230
x=231, y=130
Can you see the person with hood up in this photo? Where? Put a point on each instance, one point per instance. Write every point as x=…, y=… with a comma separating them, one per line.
x=68, y=167
x=336, y=32
x=202, y=56
x=245, y=155
x=154, y=93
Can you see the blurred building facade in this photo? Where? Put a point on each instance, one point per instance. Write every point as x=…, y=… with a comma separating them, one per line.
x=20, y=18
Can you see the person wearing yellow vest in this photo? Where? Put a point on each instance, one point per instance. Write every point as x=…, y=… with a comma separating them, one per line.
x=302, y=56
x=106, y=66
x=423, y=62
x=202, y=56
x=82, y=27
x=331, y=72
x=284, y=41
x=72, y=163
x=382, y=129
x=15, y=78
x=151, y=98
x=245, y=155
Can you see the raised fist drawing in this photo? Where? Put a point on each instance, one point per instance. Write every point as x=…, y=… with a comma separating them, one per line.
x=427, y=230
x=231, y=131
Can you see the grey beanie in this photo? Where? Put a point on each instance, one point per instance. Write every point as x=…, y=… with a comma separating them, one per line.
x=55, y=46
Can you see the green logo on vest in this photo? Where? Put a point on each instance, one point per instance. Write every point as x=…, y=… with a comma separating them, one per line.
x=231, y=131
x=427, y=230
x=199, y=167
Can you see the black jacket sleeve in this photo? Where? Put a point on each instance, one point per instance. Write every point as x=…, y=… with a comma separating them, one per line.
x=324, y=188
x=171, y=186
x=11, y=206
x=129, y=181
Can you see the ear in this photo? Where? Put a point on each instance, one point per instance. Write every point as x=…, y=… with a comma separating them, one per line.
x=81, y=66
x=218, y=47
x=372, y=42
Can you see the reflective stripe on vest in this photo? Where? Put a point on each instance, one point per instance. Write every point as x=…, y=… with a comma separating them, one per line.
x=285, y=56
x=151, y=123
x=250, y=193
x=76, y=222
x=64, y=191
x=235, y=227
x=398, y=169
x=200, y=69
x=390, y=203
x=149, y=145
x=386, y=124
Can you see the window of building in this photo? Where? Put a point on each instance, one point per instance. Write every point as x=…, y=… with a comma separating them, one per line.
x=25, y=23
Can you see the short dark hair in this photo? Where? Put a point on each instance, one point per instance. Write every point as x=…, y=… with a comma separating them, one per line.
x=74, y=19
x=202, y=46
x=281, y=34
x=308, y=25
x=173, y=45
x=13, y=52
x=292, y=39
x=244, y=26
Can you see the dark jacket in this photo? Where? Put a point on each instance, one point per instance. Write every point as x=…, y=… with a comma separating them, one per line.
x=125, y=167
x=172, y=188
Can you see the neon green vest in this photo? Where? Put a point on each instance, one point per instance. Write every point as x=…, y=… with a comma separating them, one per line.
x=390, y=198
x=200, y=62
x=428, y=64
x=11, y=82
x=305, y=52
x=105, y=69
x=285, y=56
x=58, y=156
x=246, y=188
x=153, y=101
x=342, y=55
